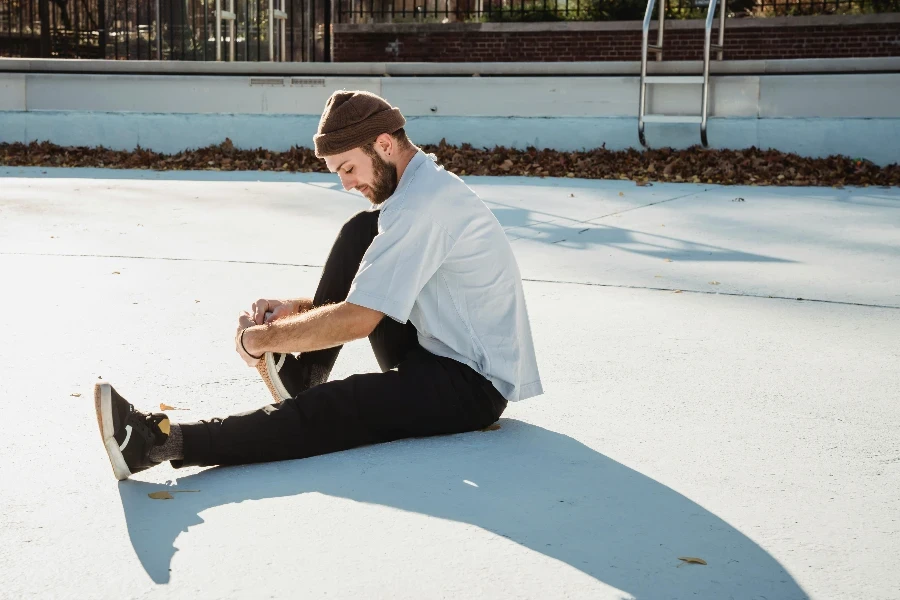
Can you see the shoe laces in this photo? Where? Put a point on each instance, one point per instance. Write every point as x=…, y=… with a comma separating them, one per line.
x=145, y=419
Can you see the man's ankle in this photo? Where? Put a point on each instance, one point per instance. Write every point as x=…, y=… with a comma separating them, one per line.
x=172, y=448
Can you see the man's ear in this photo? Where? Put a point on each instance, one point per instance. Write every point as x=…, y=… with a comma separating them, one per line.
x=385, y=141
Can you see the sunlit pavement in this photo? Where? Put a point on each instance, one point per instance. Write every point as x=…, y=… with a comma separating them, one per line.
x=694, y=406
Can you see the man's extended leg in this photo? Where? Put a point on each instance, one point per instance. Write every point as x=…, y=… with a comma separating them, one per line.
x=391, y=341
x=426, y=395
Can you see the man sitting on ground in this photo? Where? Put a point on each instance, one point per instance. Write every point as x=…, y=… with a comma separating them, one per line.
x=430, y=256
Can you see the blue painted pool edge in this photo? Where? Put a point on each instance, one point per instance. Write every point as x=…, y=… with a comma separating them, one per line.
x=877, y=140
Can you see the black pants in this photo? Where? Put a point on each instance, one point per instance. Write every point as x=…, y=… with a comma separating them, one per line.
x=417, y=394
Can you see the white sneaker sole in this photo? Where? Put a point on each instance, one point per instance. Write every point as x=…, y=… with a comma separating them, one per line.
x=268, y=370
x=103, y=406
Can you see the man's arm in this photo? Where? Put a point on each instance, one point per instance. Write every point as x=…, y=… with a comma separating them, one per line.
x=278, y=308
x=315, y=329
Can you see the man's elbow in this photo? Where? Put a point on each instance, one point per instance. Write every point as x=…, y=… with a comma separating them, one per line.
x=365, y=320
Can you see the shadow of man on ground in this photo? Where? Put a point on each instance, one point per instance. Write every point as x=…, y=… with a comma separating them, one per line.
x=543, y=490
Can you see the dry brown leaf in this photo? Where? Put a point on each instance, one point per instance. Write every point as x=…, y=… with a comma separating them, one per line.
x=116, y=273
x=751, y=166
x=621, y=193
x=167, y=407
x=669, y=260
x=692, y=560
x=168, y=495
x=493, y=427
x=76, y=395
x=713, y=283
x=677, y=291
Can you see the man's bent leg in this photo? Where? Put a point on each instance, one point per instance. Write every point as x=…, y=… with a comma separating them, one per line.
x=312, y=368
x=391, y=341
x=426, y=395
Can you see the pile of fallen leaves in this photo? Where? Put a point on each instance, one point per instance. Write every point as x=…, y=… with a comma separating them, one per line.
x=696, y=165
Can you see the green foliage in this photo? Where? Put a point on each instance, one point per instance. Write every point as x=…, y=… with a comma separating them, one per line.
x=618, y=10
x=633, y=10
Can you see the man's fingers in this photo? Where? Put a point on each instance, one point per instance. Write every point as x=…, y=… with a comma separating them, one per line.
x=259, y=311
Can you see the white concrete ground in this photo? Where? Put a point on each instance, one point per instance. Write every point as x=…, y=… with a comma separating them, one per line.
x=757, y=433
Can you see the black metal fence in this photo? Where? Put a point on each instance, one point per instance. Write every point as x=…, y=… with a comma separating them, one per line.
x=412, y=11
x=157, y=29
x=185, y=29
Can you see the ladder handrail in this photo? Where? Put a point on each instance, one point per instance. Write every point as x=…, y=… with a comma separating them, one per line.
x=648, y=16
x=707, y=47
x=645, y=48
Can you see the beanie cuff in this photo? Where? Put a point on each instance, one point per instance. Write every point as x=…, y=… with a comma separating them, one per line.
x=357, y=134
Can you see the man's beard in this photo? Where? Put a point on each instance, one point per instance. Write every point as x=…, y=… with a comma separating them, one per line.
x=385, y=175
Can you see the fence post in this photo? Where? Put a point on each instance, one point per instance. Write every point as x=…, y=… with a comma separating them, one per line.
x=158, y=34
x=280, y=15
x=218, y=30
x=310, y=31
x=283, y=35
x=104, y=34
x=228, y=15
x=329, y=19
x=232, y=22
x=44, y=16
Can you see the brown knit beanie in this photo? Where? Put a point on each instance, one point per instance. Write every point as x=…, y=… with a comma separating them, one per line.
x=354, y=118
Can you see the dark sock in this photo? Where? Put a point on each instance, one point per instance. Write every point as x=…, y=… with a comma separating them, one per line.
x=172, y=448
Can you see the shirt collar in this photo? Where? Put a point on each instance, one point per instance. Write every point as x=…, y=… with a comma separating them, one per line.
x=408, y=173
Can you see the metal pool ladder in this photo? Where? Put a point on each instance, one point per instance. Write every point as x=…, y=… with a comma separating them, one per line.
x=703, y=80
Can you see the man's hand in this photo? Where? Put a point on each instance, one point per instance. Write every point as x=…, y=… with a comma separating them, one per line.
x=243, y=323
x=278, y=308
x=312, y=329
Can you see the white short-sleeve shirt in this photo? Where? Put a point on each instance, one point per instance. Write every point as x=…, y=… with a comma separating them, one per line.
x=442, y=261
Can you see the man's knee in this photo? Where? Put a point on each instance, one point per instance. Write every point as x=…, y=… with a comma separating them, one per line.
x=363, y=223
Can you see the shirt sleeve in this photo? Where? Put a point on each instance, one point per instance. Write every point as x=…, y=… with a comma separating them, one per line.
x=406, y=253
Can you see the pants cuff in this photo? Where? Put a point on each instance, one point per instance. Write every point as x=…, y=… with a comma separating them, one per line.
x=196, y=445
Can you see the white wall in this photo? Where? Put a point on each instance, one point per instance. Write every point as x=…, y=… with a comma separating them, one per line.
x=854, y=114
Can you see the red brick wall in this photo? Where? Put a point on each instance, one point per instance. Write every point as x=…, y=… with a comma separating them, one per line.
x=684, y=41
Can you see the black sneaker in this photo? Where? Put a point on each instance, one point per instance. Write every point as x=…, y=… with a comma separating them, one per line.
x=280, y=374
x=127, y=433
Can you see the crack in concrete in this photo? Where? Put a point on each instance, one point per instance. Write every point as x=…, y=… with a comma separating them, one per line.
x=591, y=220
x=619, y=212
x=170, y=258
x=524, y=279
x=708, y=293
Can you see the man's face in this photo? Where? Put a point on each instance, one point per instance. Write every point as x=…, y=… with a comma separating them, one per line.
x=366, y=172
